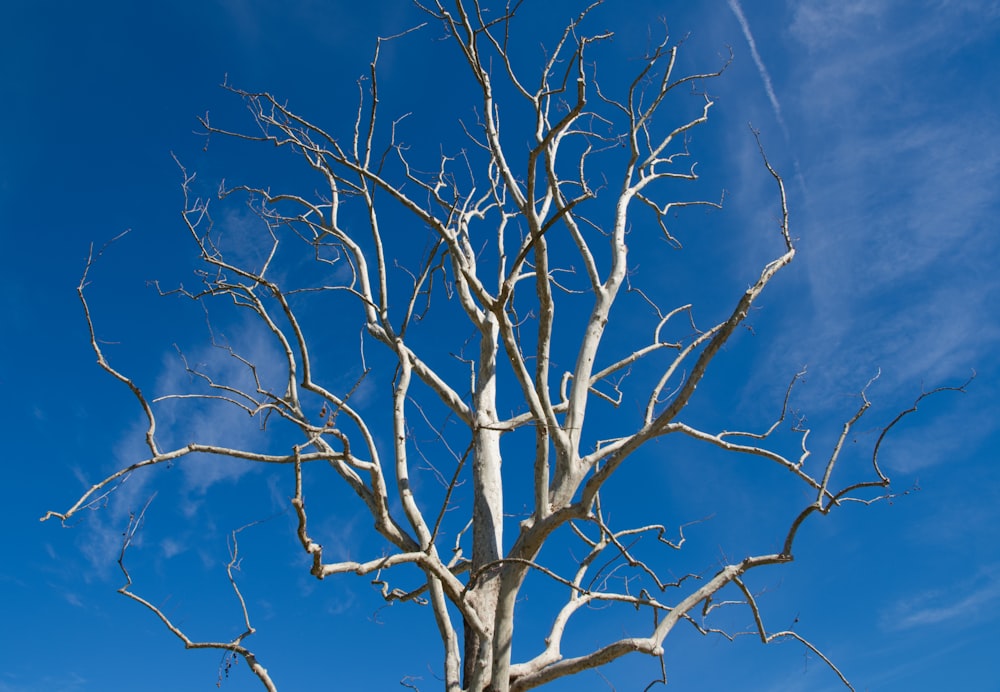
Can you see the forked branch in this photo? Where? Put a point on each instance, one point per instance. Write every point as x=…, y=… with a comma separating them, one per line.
x=235, y=646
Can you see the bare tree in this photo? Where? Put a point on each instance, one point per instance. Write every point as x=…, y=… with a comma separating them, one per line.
x=492, y=342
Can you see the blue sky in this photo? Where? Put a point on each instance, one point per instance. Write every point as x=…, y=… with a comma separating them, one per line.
x=882, y=115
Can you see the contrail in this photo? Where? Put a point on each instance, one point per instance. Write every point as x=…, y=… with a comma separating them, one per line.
x=734, y=5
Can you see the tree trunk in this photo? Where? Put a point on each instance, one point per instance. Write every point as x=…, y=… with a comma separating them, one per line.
x=487, y=517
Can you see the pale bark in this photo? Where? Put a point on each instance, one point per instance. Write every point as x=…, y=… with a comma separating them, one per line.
x=502, y=224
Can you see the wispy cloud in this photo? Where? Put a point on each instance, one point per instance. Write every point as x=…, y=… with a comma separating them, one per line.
x=216, y=421
x=765, y=76
x=929, y=440
x=68, y=682
x=180, y=422
x=172, y=546
x=896, y=245
x=821, y=24
x=101, y=543
x=978, y=597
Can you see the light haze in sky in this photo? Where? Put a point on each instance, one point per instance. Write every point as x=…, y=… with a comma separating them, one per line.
x=882, y=115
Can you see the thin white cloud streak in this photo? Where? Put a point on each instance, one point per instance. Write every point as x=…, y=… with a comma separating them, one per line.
x=936, y=607
x=896, y=242
x=765, y=76
x=772, y=96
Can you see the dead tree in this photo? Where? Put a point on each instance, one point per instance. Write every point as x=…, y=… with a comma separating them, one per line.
x=490, y=339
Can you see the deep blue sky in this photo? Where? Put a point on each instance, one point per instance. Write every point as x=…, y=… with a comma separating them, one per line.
x=883, y=116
